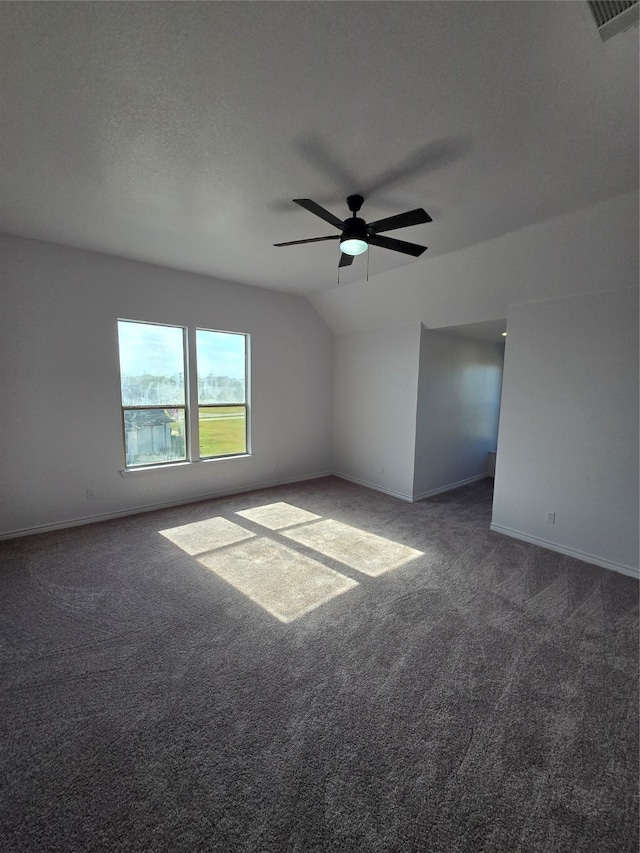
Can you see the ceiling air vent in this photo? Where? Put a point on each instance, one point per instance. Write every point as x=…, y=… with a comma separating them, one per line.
x=614, y=16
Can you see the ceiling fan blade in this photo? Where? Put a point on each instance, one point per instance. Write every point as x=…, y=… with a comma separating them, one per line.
x=310, y=240
x=401, y=220
x=345, y=260
x=397, y=245
x=312, y=207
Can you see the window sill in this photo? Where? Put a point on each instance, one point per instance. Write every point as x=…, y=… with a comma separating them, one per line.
x=172, y=466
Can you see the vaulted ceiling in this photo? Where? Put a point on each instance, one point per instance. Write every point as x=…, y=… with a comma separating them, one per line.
x=178, y=133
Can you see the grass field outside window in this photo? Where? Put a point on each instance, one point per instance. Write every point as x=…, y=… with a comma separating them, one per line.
x=223, y=430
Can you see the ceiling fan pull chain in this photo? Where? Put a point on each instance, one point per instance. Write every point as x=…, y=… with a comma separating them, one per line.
x=368, y=256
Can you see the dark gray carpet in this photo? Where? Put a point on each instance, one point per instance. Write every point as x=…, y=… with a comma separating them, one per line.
x=482, y=697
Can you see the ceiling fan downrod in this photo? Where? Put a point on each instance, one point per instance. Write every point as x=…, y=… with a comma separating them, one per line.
x=354, y=203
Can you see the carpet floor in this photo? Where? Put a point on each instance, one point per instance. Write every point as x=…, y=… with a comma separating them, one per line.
x=316, y=668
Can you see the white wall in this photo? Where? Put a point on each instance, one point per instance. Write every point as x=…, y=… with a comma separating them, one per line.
x=459, y=388
x=375, y=394
x=568, y=437
x=60, y=429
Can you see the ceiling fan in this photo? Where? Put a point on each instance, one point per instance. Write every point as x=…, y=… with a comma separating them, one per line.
x=357, y=235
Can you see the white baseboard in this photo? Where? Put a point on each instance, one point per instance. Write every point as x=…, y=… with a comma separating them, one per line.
x=450, y=487
x=410, y=498
x=496, y=528
x=569, y=552
x=374, y=486
x=107, y=516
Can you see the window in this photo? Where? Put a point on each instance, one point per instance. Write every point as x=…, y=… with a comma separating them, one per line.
x=222, y=393
x=161, y=375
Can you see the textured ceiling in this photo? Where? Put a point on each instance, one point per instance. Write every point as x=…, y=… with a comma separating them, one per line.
x=178, y=133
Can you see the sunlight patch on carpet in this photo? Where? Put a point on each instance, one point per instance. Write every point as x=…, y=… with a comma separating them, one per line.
x=277, y=515
x=206, y=535
x=367, y=553
x=286, y=584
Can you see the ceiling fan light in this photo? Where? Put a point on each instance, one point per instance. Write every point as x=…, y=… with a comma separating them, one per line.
x=353, y=246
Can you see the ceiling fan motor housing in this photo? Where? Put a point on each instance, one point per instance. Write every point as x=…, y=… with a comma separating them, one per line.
x=355, y=229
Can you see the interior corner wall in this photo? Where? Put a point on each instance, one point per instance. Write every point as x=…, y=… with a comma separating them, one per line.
x=61, y=428
x=568, y=436
x=374, y=404
x=459, y=388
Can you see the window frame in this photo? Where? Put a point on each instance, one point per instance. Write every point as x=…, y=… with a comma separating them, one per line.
x=191, y=406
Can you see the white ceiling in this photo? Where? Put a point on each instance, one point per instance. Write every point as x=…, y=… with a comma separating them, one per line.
x=178, y=133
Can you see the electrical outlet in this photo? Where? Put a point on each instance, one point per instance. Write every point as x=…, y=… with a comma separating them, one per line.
x=91, y=493
x=550, y=517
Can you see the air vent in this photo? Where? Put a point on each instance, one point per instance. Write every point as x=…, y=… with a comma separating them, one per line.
x=614, y=16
